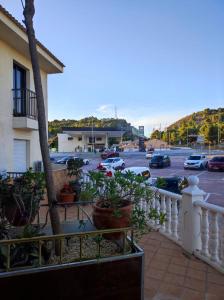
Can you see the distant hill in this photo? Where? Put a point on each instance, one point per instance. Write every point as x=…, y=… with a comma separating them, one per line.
x=54, y=127
x=208, y=123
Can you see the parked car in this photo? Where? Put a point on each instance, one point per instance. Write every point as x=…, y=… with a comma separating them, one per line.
x=159, y=161
x=85, y=161
x=139, y=171
x=196, y=161
x=64, y=160
x=173, y=184
x=109, y=154
x=216, y=163
x=115, y=163
x=149, y=153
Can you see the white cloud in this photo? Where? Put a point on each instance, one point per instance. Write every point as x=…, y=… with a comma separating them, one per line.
x=104, y=109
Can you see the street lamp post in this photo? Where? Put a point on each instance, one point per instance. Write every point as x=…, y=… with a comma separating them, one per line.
x=92, y=137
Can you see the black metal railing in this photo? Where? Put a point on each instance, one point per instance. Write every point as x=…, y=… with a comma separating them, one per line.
x=24, y=103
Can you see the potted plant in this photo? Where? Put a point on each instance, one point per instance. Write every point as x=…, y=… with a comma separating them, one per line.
x=25, y=254
x=74, y=168
x=118, y=201
x=67, y=194
x=20, y=197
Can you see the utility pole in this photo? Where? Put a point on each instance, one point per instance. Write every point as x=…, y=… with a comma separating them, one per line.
x=92, y=137
x=218, y=129
x=187, y=136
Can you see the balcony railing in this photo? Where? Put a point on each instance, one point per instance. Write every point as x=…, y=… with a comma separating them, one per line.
x=24, y=103
x=197, y=226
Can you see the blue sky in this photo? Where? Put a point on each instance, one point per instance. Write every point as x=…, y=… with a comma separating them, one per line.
x=155, y=60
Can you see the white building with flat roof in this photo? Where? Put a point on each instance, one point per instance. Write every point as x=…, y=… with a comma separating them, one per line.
x=86, y=138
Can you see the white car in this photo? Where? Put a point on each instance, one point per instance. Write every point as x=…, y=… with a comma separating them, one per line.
x=196, y=161
x=139, y=171
x=86, y=161
x=115, y=163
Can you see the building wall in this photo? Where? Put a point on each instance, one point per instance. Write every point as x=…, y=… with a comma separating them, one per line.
x=65, y=145
x=7, y=134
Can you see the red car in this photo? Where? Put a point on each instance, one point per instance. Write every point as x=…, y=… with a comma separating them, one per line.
x=216, y=163
x=109, y=154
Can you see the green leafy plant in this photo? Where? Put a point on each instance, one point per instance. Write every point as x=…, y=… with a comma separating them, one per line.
x=115, y=192
x=22, y=194
x=25, y=254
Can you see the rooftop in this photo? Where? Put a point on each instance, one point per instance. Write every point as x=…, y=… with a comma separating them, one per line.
x=106, y=129
x=14, y=33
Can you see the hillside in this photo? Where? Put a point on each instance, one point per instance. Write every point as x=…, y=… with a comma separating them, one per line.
x=208, y=123
x=55, y=126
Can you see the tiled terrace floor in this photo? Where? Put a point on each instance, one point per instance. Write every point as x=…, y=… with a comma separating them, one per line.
x=172, y=275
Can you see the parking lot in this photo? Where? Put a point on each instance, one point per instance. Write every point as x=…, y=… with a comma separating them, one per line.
x=211, y=182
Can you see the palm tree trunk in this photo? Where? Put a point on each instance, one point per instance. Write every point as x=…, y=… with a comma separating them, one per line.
x=28, y=13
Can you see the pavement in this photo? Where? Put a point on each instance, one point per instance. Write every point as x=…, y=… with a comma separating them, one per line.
x=211, y=182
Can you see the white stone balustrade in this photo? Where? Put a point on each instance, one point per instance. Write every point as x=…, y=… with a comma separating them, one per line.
x=193, y=223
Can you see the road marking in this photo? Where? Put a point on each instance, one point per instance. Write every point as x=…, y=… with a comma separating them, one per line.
x=199, y=174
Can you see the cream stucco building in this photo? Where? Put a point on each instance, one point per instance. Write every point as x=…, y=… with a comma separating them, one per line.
x=19, y=140
x=86, y=138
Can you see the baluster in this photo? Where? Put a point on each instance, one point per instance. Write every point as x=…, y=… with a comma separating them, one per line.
x=157, y=203
x=214, y=236
x=174, y=219
x=152, y=206
x=168, y=215
x=163, y=210
x=179, y=225
x=204, y=232
x=222, y=242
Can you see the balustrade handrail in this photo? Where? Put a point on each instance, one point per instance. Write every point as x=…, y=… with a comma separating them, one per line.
x=166, y=193
x=209, y=206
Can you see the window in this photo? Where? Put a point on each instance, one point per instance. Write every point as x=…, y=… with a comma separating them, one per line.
x=91, y=140
x=99, y=138
x=19, y=90
x=79, y=138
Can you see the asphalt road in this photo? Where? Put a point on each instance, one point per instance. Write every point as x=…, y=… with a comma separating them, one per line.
x=211, y=182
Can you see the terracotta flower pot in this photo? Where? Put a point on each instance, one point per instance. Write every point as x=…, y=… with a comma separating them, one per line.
x=67, y=197
x=104, y=218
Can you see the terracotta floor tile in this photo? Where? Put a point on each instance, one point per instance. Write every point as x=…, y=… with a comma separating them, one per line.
x=152, y=242
x=196, y=274
x=165, y=251
x=195, y=284
x=215, y=289
x=170, y=290
x=192, y=295
x=198, y=265
x=152, y=283
x=175, y=269
x=148, y=248
x=162, y=257
x=216, y=278
x=182, y=261
x=154, y=273
x=149, y=293
x=170, y=274
x=157, y=236
x=174, y=279
x=169, y=245
x=158, y=264
x=214, y=297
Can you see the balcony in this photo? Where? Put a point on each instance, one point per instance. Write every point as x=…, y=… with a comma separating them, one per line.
x=24, y=109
